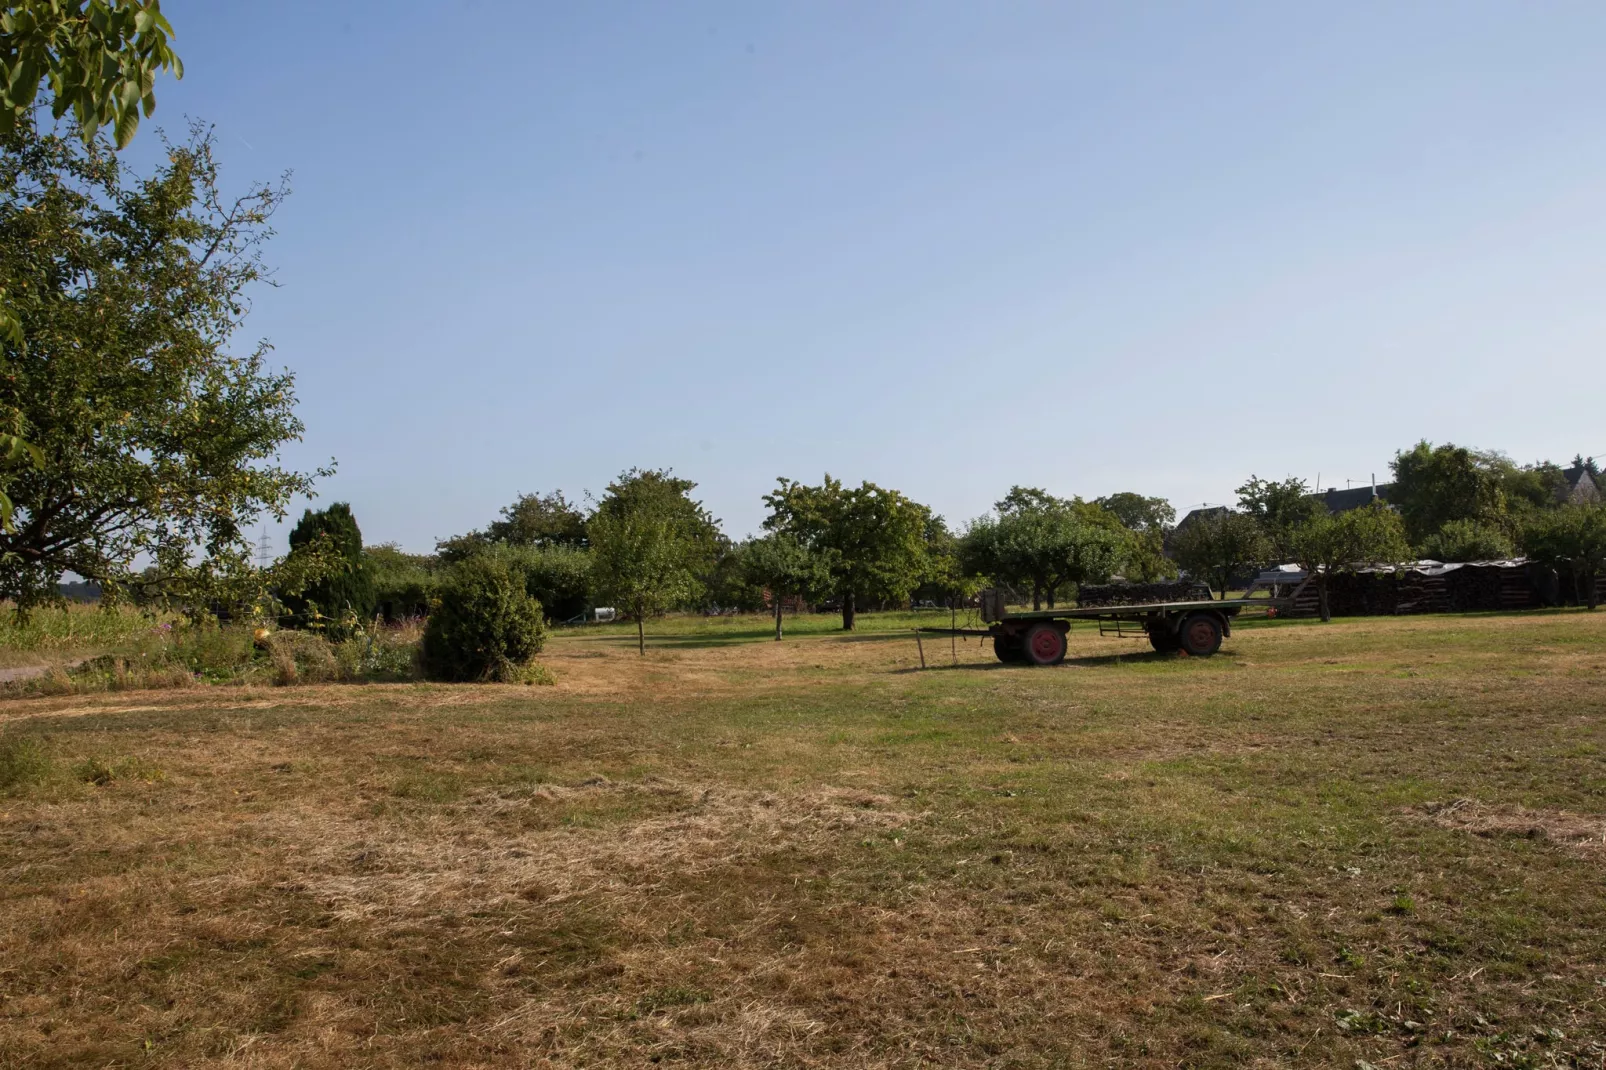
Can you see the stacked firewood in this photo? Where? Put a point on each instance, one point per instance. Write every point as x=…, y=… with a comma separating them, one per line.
x=1490, y=587
x=1140, y=594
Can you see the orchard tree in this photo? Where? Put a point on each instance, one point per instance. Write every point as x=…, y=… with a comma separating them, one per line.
x=1467, y=540
x=1434, y=485
x=1328, y=545
x=157, y=439
x=1039, y=542
x=1218, y=546
x=1281, y=508
x=1572, y=537
x=650, y=542
x=1139, y=513
x=98, y=60
x=1148, y=520
x=539, y=520
x=784, y=566
x=872, y=539
x=344, y=593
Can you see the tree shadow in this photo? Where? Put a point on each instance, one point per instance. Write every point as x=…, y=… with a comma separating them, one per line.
x=1089, y=661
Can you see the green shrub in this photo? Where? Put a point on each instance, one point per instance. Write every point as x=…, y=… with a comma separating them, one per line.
x=1466, y=540
x=344, y=597
x=485, y=626
x=24, y=760
x=558, y=577
x=404, y=583
x=301, y=658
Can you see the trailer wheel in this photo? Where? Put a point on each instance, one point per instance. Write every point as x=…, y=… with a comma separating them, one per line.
x=1008, y=649
x=1045, y=644
x=1164, y=639
x=1201, y=635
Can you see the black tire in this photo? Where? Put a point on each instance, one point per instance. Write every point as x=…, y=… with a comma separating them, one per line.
x=1200, y=635
x=1008, y=650
x=1044, y=644
x=1164, y=639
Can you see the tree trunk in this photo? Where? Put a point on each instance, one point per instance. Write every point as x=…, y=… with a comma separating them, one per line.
x=847, y=612
x=641, y=634
x=1321, y=593
x=1591, y=589
x=1037, y=595
x=777, y=618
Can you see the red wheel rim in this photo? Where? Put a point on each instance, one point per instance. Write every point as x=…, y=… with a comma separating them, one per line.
x=1046, y=644
x=1201, y=634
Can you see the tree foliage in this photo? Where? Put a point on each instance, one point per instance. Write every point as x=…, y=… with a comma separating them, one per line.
x=872, y=539
x=98, y=59
x=1216, y=547
x=1571, y=539
x=1149, y=521
x=485, y=627
x=1041, y=543
x=342, y=595
x=1434, y=485
x=404, y=583
x=1466, y=540
x=786, y=567
x=157, y=440
x=1139, y=513
x=1281, y=508
x=557, y=575
x=538, y=520
x=1370, y=535
x=650, y=543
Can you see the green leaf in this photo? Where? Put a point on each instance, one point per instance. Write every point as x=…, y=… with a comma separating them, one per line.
x=127, y=123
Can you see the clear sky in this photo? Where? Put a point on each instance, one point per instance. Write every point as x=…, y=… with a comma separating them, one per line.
x=946, y=247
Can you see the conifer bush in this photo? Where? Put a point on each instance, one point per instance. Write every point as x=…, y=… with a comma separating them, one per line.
x=485, y=626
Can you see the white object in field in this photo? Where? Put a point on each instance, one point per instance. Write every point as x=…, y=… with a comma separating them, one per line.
x=607, y=613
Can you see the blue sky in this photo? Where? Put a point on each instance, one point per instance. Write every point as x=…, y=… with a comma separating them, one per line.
x=943, y=247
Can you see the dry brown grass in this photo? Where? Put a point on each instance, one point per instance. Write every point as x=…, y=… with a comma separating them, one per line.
x=809, y=854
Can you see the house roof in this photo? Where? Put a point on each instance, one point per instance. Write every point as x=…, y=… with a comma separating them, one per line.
x=1342, y=501
x=1581, y=487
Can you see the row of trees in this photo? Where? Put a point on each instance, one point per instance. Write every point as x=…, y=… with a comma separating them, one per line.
x=647, y=546
x=1446, y=503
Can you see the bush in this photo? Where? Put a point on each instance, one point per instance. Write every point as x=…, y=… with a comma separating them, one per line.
x=343, y=598
x=485, y=625
x=24, y=760
x=1466, y=540
x=558, y=577
x=403, y=583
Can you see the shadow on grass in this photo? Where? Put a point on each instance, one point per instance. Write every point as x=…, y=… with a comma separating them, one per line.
x=1091, y=661
x=703, y=642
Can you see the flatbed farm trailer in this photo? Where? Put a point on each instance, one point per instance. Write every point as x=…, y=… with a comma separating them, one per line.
x=1037, y=637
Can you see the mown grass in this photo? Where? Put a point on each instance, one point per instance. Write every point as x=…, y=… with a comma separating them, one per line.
x=812, y=853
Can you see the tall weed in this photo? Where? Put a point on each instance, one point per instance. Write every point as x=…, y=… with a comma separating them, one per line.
x=72, y=627
x=24, y=760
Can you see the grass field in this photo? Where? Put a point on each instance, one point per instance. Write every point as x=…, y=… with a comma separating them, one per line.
x=1370, y=843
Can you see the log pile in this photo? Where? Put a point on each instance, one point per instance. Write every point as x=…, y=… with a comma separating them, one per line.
x=1475, y=587
x=1458, y=590
x=1093, y=595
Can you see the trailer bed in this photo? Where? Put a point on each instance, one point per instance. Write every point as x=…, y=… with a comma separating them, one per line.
x=1140, y=610
x=1038, y=636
